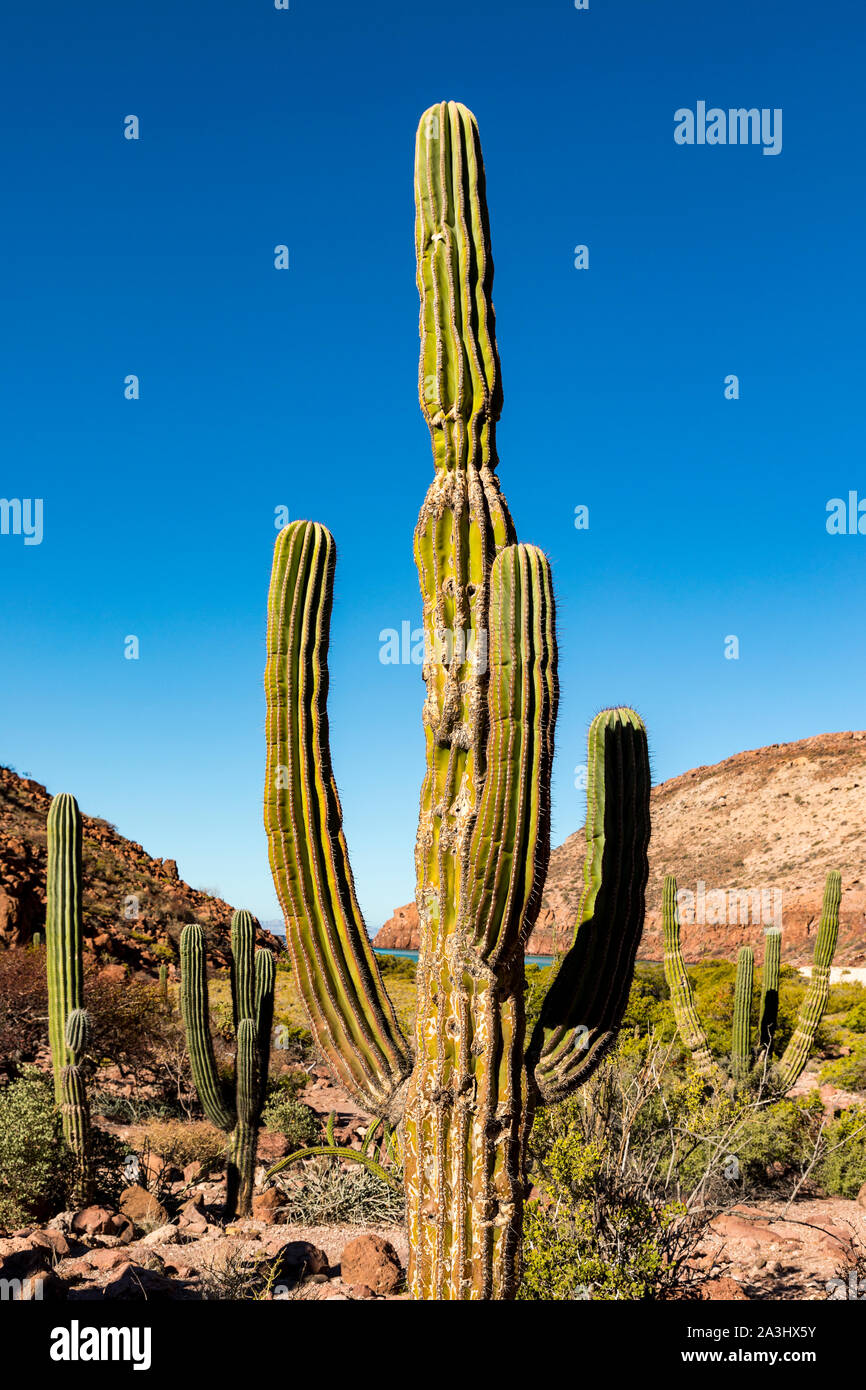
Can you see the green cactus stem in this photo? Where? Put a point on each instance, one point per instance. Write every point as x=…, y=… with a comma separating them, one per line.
x=163, y=982
x=770, y=988
x=688, y=1022
x=252, y=1008
x=802, y=1041
x=464, y=1102
x=67, y=1020
x=36, y=939
x=741, y=1032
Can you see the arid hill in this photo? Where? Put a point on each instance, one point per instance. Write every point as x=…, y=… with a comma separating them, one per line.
x=134, y=906
x=758, y=830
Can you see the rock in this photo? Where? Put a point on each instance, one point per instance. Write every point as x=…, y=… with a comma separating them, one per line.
x=192, y=1172
x=266, y=1206
x=55, y=1241
x=93, y=1221
x=361, y=1291
x=723, y=1290
x=27, y=1274
x=372, y=1261
x=298, y=1259
x=163, y=1235
x=107, y=1258
x=134, y=1282
x=272, y=1146
x=142, y=1208
x=193, y=1217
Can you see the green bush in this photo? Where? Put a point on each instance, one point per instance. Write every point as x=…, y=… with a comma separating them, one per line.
x=35, y=1166
x=856, y=1017
x=182, y=1142
x=286, y=1115
x=848, y=1073
x=842, y=1172
x=776, y=1139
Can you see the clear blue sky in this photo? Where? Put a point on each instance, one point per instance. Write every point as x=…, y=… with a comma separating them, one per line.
x=261, y=387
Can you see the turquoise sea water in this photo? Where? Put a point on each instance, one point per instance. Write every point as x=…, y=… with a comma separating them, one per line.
x=413, y=955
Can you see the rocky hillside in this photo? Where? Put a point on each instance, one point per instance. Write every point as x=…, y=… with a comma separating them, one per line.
x=134, y=906
x=769, y=822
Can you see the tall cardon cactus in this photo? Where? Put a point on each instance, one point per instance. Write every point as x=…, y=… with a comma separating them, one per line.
x=464, y=1099
x=252, y=985
x=796, y=1054
x=67, y=1020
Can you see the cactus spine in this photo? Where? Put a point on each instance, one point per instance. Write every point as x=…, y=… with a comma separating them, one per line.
x=253, y=978
x=741, y=1031
x=796, y=1054
x=67, y=1021
x=465, y=1102
x=770, y=988
x=688, y=1022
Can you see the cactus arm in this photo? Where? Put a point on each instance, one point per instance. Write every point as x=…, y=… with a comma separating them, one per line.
x=510, y=845
x=741, y=1030
x=686, y=1016
x=350, y=1014
x=63, y=928
x=194, y=1011
x=266, y=976
x=796, y=1054
x=586, y=999
x=770, y=988
x=243, y=942
x=335, y=1151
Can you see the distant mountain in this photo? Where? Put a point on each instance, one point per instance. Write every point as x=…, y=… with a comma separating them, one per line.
x=767, y=822
x=132, y=902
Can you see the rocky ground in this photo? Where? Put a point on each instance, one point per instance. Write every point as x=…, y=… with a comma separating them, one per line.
x=812, y=1248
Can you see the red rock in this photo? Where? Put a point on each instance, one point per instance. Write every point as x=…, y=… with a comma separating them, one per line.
x=266, y=1206
x=372, y=1261
x=723, y=1290
x=94, y=1221
x=107, y=1259
x=142, y=1208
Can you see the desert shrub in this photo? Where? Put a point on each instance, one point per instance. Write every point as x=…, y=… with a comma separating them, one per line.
x=287, y=1115
x=180, y=1143
x=396, y=967
x=324, y=1192
x=855, y=1019
x=845, y=995
x=23, y=1007
x=133, y=1110
x=842, y=1171
x=777, y=1139
x=848, y=1073
x=35, y=1166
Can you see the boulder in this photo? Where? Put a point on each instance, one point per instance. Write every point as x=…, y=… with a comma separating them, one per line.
x=93, y=1221
x=266, y=1206
x=371, y=1261
x=142, y=1208
x=299, y=1259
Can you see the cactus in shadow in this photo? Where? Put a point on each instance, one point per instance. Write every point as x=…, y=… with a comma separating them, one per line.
x=770, y=989
x=67, y=1020
x=163, y=982
x=797, y=1052
x=464, y=1101
x=688, y=1022
x=741, y=1030
x=252, y=986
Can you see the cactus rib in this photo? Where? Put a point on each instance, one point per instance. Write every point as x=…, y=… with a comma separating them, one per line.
x=688, y=1021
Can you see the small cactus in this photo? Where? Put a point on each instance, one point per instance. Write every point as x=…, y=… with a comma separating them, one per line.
x=253, y=978
x=741, y=1032
x=770, y=988
x=163, y=982
x=67, y=1021
x=796, y=1054
x=688, y=1021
